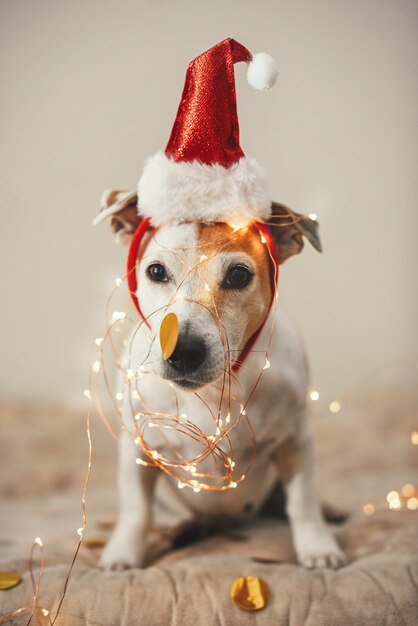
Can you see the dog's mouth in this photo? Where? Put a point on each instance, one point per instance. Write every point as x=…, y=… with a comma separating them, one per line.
x=184, y=383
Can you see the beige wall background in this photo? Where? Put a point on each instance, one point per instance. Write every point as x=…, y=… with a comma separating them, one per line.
x=90, y=88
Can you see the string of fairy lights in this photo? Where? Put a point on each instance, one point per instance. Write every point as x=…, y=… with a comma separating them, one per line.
x=228, y=414
x=114, y=341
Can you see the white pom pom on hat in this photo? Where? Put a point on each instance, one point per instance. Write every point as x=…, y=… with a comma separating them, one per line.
x=262, y=71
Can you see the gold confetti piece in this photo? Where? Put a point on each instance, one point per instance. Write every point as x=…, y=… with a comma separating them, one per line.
x=250, y=593
x=94, y=542
x=9, y=579
x=169, y=334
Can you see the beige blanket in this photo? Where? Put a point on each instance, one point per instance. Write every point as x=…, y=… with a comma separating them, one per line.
x=43, y=455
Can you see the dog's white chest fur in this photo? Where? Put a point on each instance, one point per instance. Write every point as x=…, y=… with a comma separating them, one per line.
x=271, y=417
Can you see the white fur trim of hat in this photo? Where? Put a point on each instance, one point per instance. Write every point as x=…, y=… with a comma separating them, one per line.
x=195, y=191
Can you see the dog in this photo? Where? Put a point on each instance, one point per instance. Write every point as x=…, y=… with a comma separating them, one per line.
x=232, y=276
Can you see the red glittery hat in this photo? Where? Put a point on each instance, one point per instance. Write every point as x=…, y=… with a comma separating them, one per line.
x=206, y=127
x=204, y=173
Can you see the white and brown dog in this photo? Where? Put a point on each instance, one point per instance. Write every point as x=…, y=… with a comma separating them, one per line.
x=233, y=277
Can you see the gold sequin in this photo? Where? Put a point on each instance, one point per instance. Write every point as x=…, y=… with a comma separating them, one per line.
x=169, y=334
x=250, y=593
x=9, y=579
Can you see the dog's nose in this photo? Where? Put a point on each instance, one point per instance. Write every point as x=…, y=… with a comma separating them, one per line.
x=190, y=352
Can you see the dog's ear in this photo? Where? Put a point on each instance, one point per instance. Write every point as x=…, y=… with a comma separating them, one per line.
x=122, y=209
x=288, y=229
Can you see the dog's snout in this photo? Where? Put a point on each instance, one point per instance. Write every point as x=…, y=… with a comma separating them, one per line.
x=189, y=354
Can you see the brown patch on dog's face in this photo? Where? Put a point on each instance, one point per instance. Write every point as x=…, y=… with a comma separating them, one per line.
x=248, y=306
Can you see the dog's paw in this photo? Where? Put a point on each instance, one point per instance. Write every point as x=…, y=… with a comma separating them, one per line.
x=118, y=562
x=111, y=565
x=125, y=550
x=333, y=560
x=316, y=547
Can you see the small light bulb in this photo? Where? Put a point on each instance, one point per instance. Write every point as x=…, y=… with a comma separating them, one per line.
x=196, y=489
x=137, y=416
x=203, y=257
x=38, y=541
x=137, y=440
x=267, y=365
x=118, y=315
x=263, y=239
x=130, y=374
x=154, y=454
x=207, y=287
x=414, y=438
x=218, y=431
x=368, y=509
x=87, y=393
x=233, y=485
x=395, y=504
x=314, y=395
x=193, y=469
x=392, y=495
x=98, y=341
x=139, y=461
x=412, y=504
x=228, y=418
x=80, y=531
x=118, y=282
x=119, y=396
x=335, y=407
x=45, y=612
x=135, y=394
x=96, y=367
x=408, y=490
x=180, y=485
x=313, y=216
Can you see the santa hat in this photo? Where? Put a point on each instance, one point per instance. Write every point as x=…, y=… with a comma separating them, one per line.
x=204, y=174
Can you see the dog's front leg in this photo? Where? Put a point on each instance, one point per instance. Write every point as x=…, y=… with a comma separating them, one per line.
x=136, y=485
x=314, y=542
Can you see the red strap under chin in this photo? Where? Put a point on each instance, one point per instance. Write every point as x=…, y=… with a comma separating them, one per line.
x=274, y=275
x=132, y=261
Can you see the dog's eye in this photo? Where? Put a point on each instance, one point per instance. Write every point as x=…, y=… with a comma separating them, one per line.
x=237, y=277
x=157, y=273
